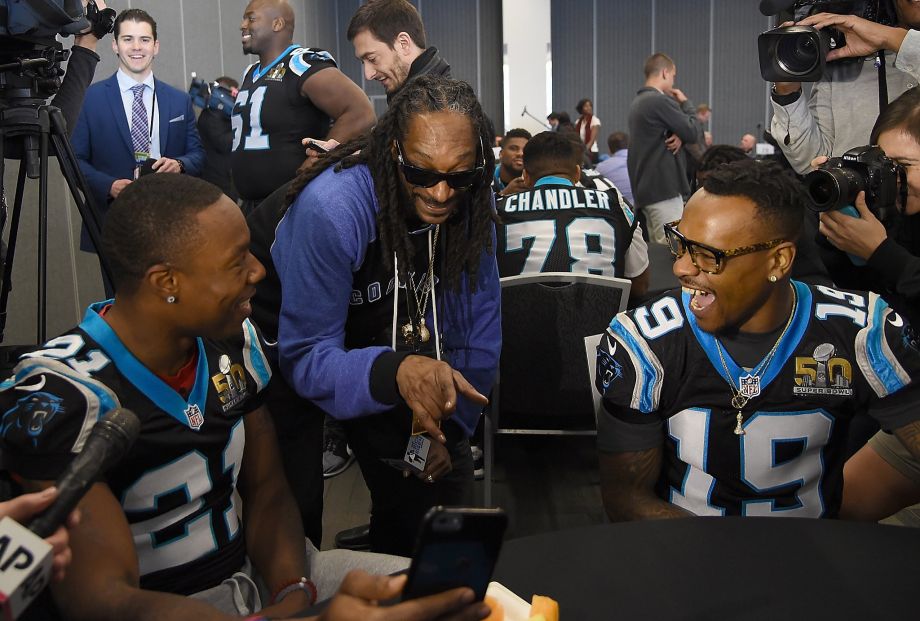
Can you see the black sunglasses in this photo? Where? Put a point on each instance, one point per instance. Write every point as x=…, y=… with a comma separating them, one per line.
x=426, y=178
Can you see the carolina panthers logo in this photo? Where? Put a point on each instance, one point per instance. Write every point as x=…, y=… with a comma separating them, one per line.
x=607, y=367
x=32, y=413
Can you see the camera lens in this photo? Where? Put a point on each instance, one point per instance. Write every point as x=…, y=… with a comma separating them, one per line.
x=798, y=54
x=833, y=188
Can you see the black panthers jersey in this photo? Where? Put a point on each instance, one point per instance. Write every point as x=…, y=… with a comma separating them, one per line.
x=271, y=117
x=843, y=353
x=590, y=178
x=176, y=484
x=557, y=227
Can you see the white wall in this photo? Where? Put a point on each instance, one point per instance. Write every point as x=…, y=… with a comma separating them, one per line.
x=526, y=32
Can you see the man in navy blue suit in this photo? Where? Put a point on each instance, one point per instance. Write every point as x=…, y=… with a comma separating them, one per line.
x=133, y=123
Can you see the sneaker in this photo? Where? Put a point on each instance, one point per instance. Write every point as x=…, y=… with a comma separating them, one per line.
x=337, y=456
x=479, y=471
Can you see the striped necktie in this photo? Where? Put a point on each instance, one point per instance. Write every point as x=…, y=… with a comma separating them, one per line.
x=140, y=130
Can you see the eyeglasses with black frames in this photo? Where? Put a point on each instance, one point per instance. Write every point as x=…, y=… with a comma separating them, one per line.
x=426, y=178
x=706, y=258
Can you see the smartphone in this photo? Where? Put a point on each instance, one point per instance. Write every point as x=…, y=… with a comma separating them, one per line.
x=146, y=167
x=456, y=547
x=317, y=147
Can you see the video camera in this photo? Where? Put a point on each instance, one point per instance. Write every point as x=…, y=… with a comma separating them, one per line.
x=211, y=96
x=835, y=184
x=30, y=55
x=799, y=53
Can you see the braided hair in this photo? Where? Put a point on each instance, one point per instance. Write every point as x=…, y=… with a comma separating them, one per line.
x=468, y=231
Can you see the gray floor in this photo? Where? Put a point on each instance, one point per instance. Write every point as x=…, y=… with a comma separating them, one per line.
x=544, y=483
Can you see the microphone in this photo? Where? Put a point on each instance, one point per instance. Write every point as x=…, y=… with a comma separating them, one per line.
x=25, y=557
x=524, y=111
x=775, y=7
x=109, y=441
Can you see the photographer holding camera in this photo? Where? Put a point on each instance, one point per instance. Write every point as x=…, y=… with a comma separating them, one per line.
x=835, y=116
x=891, y=253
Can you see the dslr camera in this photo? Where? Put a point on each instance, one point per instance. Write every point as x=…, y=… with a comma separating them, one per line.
x=835, y=184
x=799, y=53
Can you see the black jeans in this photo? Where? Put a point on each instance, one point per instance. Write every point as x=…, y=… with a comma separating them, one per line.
x=299, y=426
x=398, y=502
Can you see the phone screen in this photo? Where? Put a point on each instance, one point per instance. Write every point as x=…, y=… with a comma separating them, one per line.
x=456, y=547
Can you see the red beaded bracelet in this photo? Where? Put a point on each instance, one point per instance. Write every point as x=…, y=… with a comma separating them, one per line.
x=303, y=584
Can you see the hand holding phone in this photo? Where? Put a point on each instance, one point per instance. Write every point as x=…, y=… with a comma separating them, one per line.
x=316, y=146
x=456, y=547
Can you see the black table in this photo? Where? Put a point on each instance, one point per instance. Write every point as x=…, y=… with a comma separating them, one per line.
x=721, y=568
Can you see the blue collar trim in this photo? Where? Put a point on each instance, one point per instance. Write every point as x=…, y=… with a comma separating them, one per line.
x=498, y=177
x=259, y=72
x=155, y=389
x=551, y=180
x=786, y=346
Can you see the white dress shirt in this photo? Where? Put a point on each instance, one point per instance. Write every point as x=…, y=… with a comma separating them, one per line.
x=125, y=83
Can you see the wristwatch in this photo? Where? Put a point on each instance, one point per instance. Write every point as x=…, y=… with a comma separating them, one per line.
x=181, y=165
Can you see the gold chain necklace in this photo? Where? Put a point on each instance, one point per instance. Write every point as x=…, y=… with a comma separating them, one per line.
x=749, y=385
x=416, y=329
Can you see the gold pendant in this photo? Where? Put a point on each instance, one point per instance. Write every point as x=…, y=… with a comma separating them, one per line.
x=423, y=333
x=408, y=333
x=738, y=430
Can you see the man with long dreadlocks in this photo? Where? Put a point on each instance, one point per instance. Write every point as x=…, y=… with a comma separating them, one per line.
x=390, y=316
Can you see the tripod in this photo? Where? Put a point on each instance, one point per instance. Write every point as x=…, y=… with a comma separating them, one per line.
x=31, y=130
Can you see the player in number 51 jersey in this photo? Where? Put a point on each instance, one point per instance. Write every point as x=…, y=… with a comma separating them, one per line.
x=733, y=396
x=293, y=93
x=271, y=117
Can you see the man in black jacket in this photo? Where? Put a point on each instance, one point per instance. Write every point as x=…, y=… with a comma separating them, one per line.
x=389, y=40
x=216, y=133
x=661, y=120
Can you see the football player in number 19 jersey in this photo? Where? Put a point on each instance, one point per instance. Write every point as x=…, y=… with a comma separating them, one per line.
x=733, y=395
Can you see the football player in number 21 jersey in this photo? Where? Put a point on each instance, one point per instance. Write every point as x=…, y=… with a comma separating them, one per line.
x=733, y=395
x=176, y=347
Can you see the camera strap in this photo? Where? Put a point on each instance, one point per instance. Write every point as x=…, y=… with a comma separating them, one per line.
x=882, y=82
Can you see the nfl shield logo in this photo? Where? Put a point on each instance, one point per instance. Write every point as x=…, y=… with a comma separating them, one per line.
x=749, y=386
x=195, y=418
